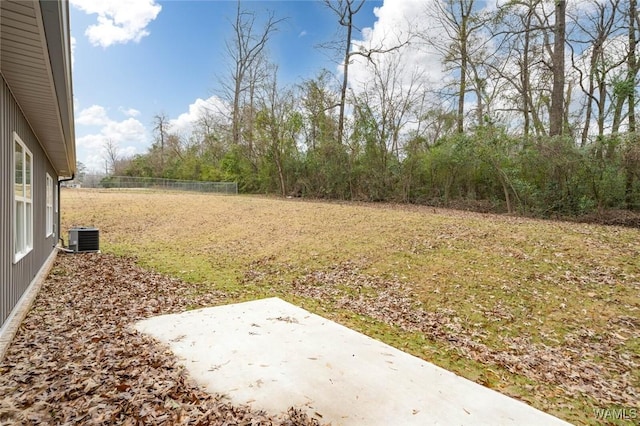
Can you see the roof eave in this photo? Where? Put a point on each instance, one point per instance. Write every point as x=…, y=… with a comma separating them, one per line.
x=55, y=17
x=36, y=64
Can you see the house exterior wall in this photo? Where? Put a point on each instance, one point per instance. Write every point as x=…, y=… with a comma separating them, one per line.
x=15, y=278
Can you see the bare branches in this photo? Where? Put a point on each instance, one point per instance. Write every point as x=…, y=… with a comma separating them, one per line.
x=346, y=11
x=369, y=52
x=111, y=155
x=246, y=52
x=460, y=21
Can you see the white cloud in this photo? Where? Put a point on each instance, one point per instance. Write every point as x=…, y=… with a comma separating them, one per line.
x=93, y=142
x=183, y=125
x=95, y=115
x=302, y=33
x=129, y=135
x=397, y=20
x=127, y=130
x=129, y=112
x=118, y=21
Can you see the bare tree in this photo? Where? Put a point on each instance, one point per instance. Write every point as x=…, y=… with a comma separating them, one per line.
x=597, y=27
x=626, y=83
x=161, y=129
x=459, y=21
x=529, y=66
x=208, y=134
x=391, y=96
x=278, y=124
x=111, y=156
x=245, y=50
x=318, y=99
x=525, y=79
x=516, y=29
x=382, y=111
x=175, y=146
x=346, y=10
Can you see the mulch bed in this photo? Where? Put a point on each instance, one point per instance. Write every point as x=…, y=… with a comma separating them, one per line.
x=76, y=360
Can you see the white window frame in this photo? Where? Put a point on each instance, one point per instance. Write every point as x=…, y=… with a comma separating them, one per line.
x=23, y=201
x=49, y=206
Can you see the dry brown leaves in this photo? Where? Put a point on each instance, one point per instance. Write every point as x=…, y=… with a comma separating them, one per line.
x=581, y=364
x=75, y=360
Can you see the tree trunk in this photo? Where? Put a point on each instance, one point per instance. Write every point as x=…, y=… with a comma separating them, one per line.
x=633, y=71
x=238, y=77
x=345, y=79
x=507, y=197
x=235, y=119
x=465, y=12
x=526, y=102
x=617, y=115
x=283, y=187
x=556, y=114
x=632, y=64
x=463, y=84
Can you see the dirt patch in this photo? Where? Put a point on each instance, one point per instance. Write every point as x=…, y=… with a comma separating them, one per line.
x=75, y=359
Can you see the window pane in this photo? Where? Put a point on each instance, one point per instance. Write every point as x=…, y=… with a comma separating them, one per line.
x=49, y=206
x=19, y=230
x=29, y=225
x=27, y=177
x=49, y=223
x=18, y=155
x=49, y=191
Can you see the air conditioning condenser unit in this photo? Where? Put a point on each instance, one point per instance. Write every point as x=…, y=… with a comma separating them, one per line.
x=84, y=239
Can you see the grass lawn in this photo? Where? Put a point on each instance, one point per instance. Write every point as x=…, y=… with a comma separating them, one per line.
x=547, y=312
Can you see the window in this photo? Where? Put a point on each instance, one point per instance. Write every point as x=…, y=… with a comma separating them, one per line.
x=49, y=208
x=23, y=196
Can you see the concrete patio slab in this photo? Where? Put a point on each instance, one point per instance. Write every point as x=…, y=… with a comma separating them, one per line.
x=274, y=355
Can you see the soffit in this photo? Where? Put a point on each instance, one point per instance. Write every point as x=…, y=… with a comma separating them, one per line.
x=25, y=63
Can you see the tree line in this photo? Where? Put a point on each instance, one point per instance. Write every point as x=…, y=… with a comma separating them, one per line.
x=536, y=113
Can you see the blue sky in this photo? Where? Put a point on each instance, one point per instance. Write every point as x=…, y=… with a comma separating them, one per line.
x=134, y=59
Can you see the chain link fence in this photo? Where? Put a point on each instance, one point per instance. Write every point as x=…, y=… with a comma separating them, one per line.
x=158, y=183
